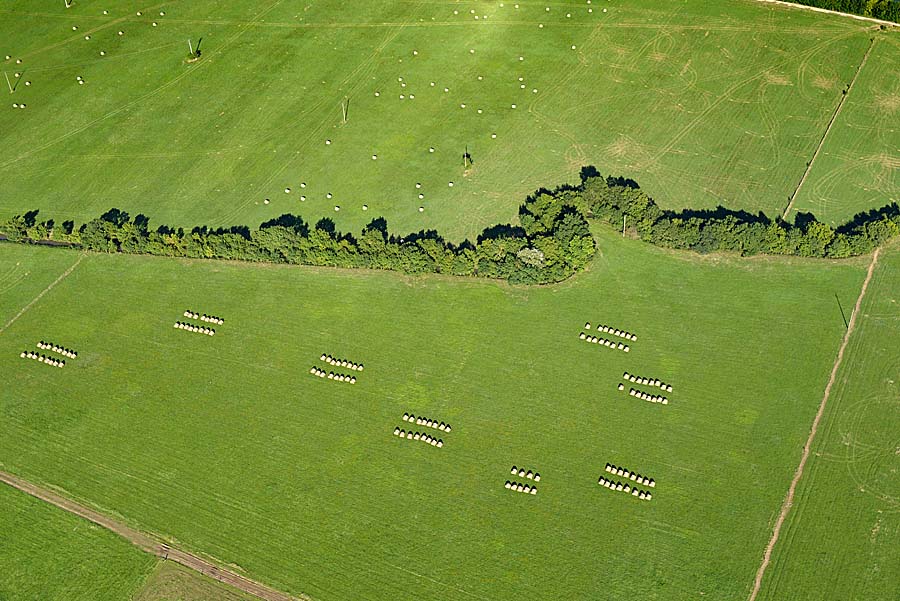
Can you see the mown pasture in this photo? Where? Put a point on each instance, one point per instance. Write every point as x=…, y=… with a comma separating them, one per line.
x=842, y=534
x=859, y=166
x=230, y=447
x=702, y=103
x=47, y=554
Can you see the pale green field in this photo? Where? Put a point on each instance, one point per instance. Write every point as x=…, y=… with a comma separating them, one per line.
x=173, y=582
x=843, y=532
x=702, y=103
x=859, y=166
x=230, y=447
x=47, y=554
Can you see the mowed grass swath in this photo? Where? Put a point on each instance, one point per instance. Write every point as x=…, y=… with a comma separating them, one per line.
x=48, y=554
x=702, y=104
x=228, y=445
x=844, y=521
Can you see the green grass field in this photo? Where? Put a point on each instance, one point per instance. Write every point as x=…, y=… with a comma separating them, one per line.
x=842, y=535
x=228, y=445
x=47, y=555
x=859, y=166
x=702, y=103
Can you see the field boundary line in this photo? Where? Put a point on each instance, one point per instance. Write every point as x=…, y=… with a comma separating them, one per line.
x=829, y=12
x=147, y=542
x=831, y=123
x=42, y=293
x=798, y=473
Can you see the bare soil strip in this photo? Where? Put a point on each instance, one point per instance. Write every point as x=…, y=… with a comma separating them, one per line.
x=830, y=12
x=42, y=293
x=834, y=117
x=789, y=499
x=147, y=542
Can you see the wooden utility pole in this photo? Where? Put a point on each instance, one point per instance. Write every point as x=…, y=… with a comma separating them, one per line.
x=7, y=82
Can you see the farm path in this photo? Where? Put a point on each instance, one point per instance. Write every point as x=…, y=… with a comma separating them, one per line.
x=789, y=498
x=147, y=542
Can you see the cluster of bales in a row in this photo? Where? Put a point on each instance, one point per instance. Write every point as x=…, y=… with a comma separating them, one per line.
x=341, y=362
x=519, y=487
x=621, y=471
x=204, y=317
x=626, y=488
x=647, y=381
x=43, y=358
x=523, y=473
x=424, y=421
x=613, y=331
x=426, y=438
x=187, y=327
x=603, y=341
x=314, y=370
x=653, y=398
x=48, y=346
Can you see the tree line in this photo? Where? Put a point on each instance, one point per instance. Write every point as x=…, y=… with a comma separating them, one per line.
x=551, y=241
x=614, y=199
x=886, y=10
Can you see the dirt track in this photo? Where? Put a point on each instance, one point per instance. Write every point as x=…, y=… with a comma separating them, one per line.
x=789, y=499
x=147, y=543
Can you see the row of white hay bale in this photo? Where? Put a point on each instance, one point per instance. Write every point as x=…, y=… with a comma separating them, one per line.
x=653, y=398
x=314, y=370
x=43, y=358
x=522, y=473
x=621, y=471
x=196, y=329
x=519, y=487
x=426, y=438
x=626, y=488
x=607, y=343
x=48, y=346
x=647, y=381
x=204, y=317
x=424, y=421
x=613, y=331
x=341, y=362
